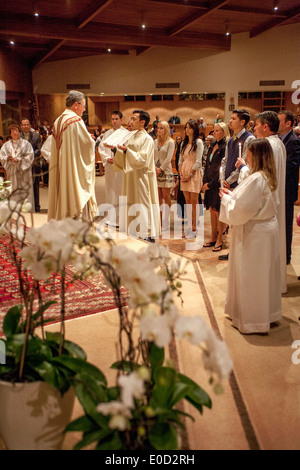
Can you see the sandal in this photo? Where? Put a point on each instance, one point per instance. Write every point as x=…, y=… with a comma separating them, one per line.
x=209, y=244
x=217, y=248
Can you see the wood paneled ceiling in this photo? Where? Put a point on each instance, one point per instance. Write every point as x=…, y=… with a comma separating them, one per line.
x=43, y=31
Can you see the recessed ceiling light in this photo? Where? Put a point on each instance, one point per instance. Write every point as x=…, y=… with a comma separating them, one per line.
x=143, y=26
x=12, y=42
x=108, y=50
x=36, y=14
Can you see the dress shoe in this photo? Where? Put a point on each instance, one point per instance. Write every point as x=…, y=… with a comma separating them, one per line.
x=224, y=257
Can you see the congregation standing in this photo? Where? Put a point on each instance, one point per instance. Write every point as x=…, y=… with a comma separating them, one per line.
x=247, y=172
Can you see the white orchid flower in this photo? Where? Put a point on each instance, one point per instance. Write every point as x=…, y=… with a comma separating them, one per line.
x=156, y=329
x=132, y=386
x=194, y=329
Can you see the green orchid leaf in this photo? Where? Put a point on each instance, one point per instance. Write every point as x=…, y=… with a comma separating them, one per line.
x=180, y=391
x=46, y=371
x=157, y=356
x=125, y=366
x=82, y=424
x=93, y=437
x=164, y=382
x=74, y=350
x=77, y=365
x=114, y=443
x=11, y=320
x=196, y=395
x=163, y=436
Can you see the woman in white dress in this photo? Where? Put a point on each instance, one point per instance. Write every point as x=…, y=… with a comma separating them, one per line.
x=164, y=147
x=253, y=290
x=16, y=157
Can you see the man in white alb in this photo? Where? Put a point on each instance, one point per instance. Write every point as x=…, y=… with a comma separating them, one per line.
x=140, y=215
x=113, y=180
x=267, y=125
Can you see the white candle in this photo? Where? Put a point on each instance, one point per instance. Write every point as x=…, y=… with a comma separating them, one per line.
x=240, y=150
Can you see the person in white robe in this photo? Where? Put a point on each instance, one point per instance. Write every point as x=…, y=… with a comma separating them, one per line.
x=253, y=298
x=16, y=157
x=139, y=213
x=113, y=180
x=46, y=148
x=72, y=165
x=267, y=124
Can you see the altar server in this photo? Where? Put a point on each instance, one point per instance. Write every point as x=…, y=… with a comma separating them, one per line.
x=253, y=290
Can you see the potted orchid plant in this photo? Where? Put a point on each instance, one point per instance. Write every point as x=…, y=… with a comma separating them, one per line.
x=40, y=368
x=141, y=411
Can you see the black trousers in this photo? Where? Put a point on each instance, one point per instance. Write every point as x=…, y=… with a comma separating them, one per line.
x=36, y=176
x=289, y=220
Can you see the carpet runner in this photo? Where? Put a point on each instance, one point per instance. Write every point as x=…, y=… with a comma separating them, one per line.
x=83, y=297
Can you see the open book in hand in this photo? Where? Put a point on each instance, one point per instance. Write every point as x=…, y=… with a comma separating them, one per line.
x=119, y=137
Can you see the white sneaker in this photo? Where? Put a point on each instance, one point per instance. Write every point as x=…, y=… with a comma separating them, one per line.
x=191, y=235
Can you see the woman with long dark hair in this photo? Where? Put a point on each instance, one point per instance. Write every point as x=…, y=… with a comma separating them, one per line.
x=189, y=165
x=211, y=184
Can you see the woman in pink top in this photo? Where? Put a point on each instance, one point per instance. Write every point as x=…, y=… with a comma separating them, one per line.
x=189, y=165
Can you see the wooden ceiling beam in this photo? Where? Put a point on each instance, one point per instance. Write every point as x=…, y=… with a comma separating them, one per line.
x=233, y=9
x=91, y=12
x=275, y=22
x=100, y=33
x=187, y=22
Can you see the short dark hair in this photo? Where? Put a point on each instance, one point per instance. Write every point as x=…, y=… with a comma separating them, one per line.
x=14, y=126
x=243, y=115
x=118, y=113
x=144, y=116
x=270, y=118
x=289, y=116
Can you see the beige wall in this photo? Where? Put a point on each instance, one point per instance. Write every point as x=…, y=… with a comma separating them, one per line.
x=16, y=75
x=273, y=55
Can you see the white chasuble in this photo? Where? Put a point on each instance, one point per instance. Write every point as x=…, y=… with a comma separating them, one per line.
x=72, y=169
x=253, y=298
x=19, y=173
x=139, y=211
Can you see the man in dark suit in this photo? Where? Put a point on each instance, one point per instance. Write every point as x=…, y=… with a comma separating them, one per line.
x=292, y=144
x=174, y=119
x=35, y=140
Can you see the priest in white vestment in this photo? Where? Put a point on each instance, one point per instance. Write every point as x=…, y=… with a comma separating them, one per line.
x=113, y=180
x=253, y=298
x=16, y=157
x=267, y=124
x=72, y=165
x=139, y=212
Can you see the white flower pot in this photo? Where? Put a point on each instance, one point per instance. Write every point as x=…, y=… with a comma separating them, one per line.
x=33, y=415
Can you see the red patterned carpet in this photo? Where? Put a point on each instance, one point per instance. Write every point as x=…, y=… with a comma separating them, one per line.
x=83, y=297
